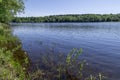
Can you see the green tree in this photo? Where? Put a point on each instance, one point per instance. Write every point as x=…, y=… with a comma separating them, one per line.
x=9, y=8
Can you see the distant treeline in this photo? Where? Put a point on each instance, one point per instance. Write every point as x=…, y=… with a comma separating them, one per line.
x=70, y=18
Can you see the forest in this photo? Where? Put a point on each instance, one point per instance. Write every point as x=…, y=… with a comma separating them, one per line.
x=70, y=18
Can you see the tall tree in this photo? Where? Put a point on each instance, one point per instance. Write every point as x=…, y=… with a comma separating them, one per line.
x=9, y=8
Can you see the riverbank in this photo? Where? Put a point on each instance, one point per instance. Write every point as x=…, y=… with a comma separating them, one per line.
x=13, y=60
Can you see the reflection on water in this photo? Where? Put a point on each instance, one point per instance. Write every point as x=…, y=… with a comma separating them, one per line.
x=100, y=42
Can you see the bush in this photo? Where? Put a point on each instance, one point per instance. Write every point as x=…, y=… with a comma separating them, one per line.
x=13, y=60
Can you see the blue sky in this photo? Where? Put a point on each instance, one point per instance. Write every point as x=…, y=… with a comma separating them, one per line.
x=56, y=7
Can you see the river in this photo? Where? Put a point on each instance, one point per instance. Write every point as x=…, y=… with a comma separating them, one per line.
x=100, y=43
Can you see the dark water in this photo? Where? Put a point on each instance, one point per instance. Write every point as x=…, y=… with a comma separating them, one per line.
x=100, y=42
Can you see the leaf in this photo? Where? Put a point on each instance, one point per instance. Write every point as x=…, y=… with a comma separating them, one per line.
x=69, y=56
x=79, y=52
x=0, y=0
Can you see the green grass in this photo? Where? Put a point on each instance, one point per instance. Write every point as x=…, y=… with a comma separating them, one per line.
x=10, y=69
x=13, y=60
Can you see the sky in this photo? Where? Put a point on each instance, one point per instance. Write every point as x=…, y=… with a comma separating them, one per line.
x=60, y=7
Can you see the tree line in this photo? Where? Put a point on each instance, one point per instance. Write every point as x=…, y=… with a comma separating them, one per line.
x=70, y=18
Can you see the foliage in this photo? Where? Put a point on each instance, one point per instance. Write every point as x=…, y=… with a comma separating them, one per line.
x=60, y=67
x=13, y=60
x=10, y=69
x=72, y=57
x=71, y=18
x=9, y=8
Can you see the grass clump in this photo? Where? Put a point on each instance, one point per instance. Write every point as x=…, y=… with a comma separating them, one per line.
x=10, y=69
x=13, y=60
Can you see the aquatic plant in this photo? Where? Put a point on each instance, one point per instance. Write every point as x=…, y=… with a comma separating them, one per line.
x=60, y=67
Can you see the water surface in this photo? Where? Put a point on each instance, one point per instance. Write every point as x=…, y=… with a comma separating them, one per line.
x=100, y=43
